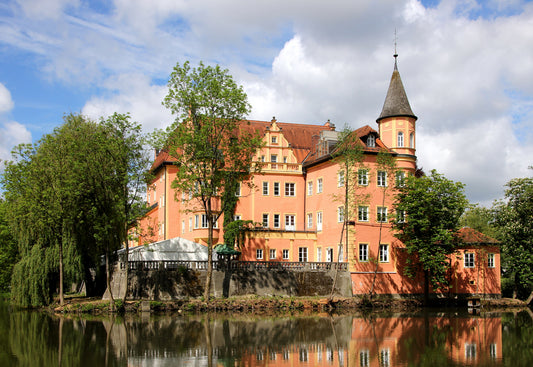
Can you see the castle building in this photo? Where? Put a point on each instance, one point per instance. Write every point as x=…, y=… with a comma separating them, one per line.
x=311, y=206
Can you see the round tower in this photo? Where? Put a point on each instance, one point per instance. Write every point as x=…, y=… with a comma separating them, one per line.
x=396, y=124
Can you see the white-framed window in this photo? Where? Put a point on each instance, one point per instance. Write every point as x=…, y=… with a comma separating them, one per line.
x=284, y=159
x=309, y=220
x=371, y=141
x=285, y=254
x=196, y=221
x=272, y=254
x=362, y=177
x=382, y=178
x=290, y=189
x=266, y=187
x=362, y=213
x=383, y=253
x=382, y=214
x=340, y=214
x=190, y=224
x=340, y=178
x=290, y=222
x=470, y=260
x=319, y=185
x=310, y=188
x=302, y=254
x=183, y=226
x=238, y=191
x=265, y=220
x=276, y=189
x=490, y=260
x=363, y=252
x=237, y=217
x=259, y=254
x=276, y=221
x=400, y=179
x=412, y=140
x=273, y=158
x=274, y=140
x=319, y=221
x=319, y=254
x=329, y=254
x=262, y=158
x=400, y=139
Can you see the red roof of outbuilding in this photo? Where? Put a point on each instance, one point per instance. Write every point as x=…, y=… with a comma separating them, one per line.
x=469, y=235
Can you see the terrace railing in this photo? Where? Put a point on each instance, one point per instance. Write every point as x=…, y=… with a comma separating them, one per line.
x=248, y=265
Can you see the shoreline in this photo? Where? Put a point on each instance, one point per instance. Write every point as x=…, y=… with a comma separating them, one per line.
x=268, y=305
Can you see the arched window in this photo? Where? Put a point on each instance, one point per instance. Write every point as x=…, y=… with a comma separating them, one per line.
x=412, y=140
x=371, y=141
x=400, y=139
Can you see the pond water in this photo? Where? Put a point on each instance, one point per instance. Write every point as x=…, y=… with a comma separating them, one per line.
x=427, y=338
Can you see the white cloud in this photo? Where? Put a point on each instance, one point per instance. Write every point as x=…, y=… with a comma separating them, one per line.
x=465, y=67
x=11, y=133
x=49, y=9
x=134, y=94
x=6, y=103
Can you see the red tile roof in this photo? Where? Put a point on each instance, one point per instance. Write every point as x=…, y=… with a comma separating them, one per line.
x=469, y=235
x=303, y=139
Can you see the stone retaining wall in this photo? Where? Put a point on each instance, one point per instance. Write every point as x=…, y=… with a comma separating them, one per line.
x=165, y=284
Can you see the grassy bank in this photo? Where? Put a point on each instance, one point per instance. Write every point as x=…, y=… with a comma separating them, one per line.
x=255, y=304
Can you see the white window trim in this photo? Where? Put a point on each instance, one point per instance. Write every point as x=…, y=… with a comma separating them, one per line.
x=259, y=254
x=384, y=256
x=360, y=210
x=319, y=185
x=363, y=255
x=469, y=264
x=491, y=260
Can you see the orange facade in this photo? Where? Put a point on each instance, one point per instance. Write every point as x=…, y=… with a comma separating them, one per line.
x=299, y=204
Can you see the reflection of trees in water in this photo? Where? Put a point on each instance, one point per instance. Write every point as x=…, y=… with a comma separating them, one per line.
x=35, y=340
x=518, y=338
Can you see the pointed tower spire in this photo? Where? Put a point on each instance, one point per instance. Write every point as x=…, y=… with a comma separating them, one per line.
x=396, y=103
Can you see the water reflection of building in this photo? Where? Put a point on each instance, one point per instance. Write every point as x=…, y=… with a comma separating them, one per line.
x=389, y=341
x=310, y=341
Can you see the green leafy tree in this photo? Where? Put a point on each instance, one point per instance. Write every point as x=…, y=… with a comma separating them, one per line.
x=432, y=206
x=514, y=219
x=212, y=146
x=68, y=197
x=479, y=218
x=8, y=249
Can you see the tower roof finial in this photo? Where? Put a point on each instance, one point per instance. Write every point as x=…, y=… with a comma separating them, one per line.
x=395, y=52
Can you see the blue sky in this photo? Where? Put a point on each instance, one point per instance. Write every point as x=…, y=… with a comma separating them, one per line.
x=467, y=67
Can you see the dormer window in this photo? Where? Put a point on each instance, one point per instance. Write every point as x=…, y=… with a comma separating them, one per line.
x=371, y=141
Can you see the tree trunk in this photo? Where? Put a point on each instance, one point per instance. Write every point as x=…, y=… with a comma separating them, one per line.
x=207, y=288
x=61, y=294
x=126, y=261
x=530, y=298
x=426, y=287
x=108, y=282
